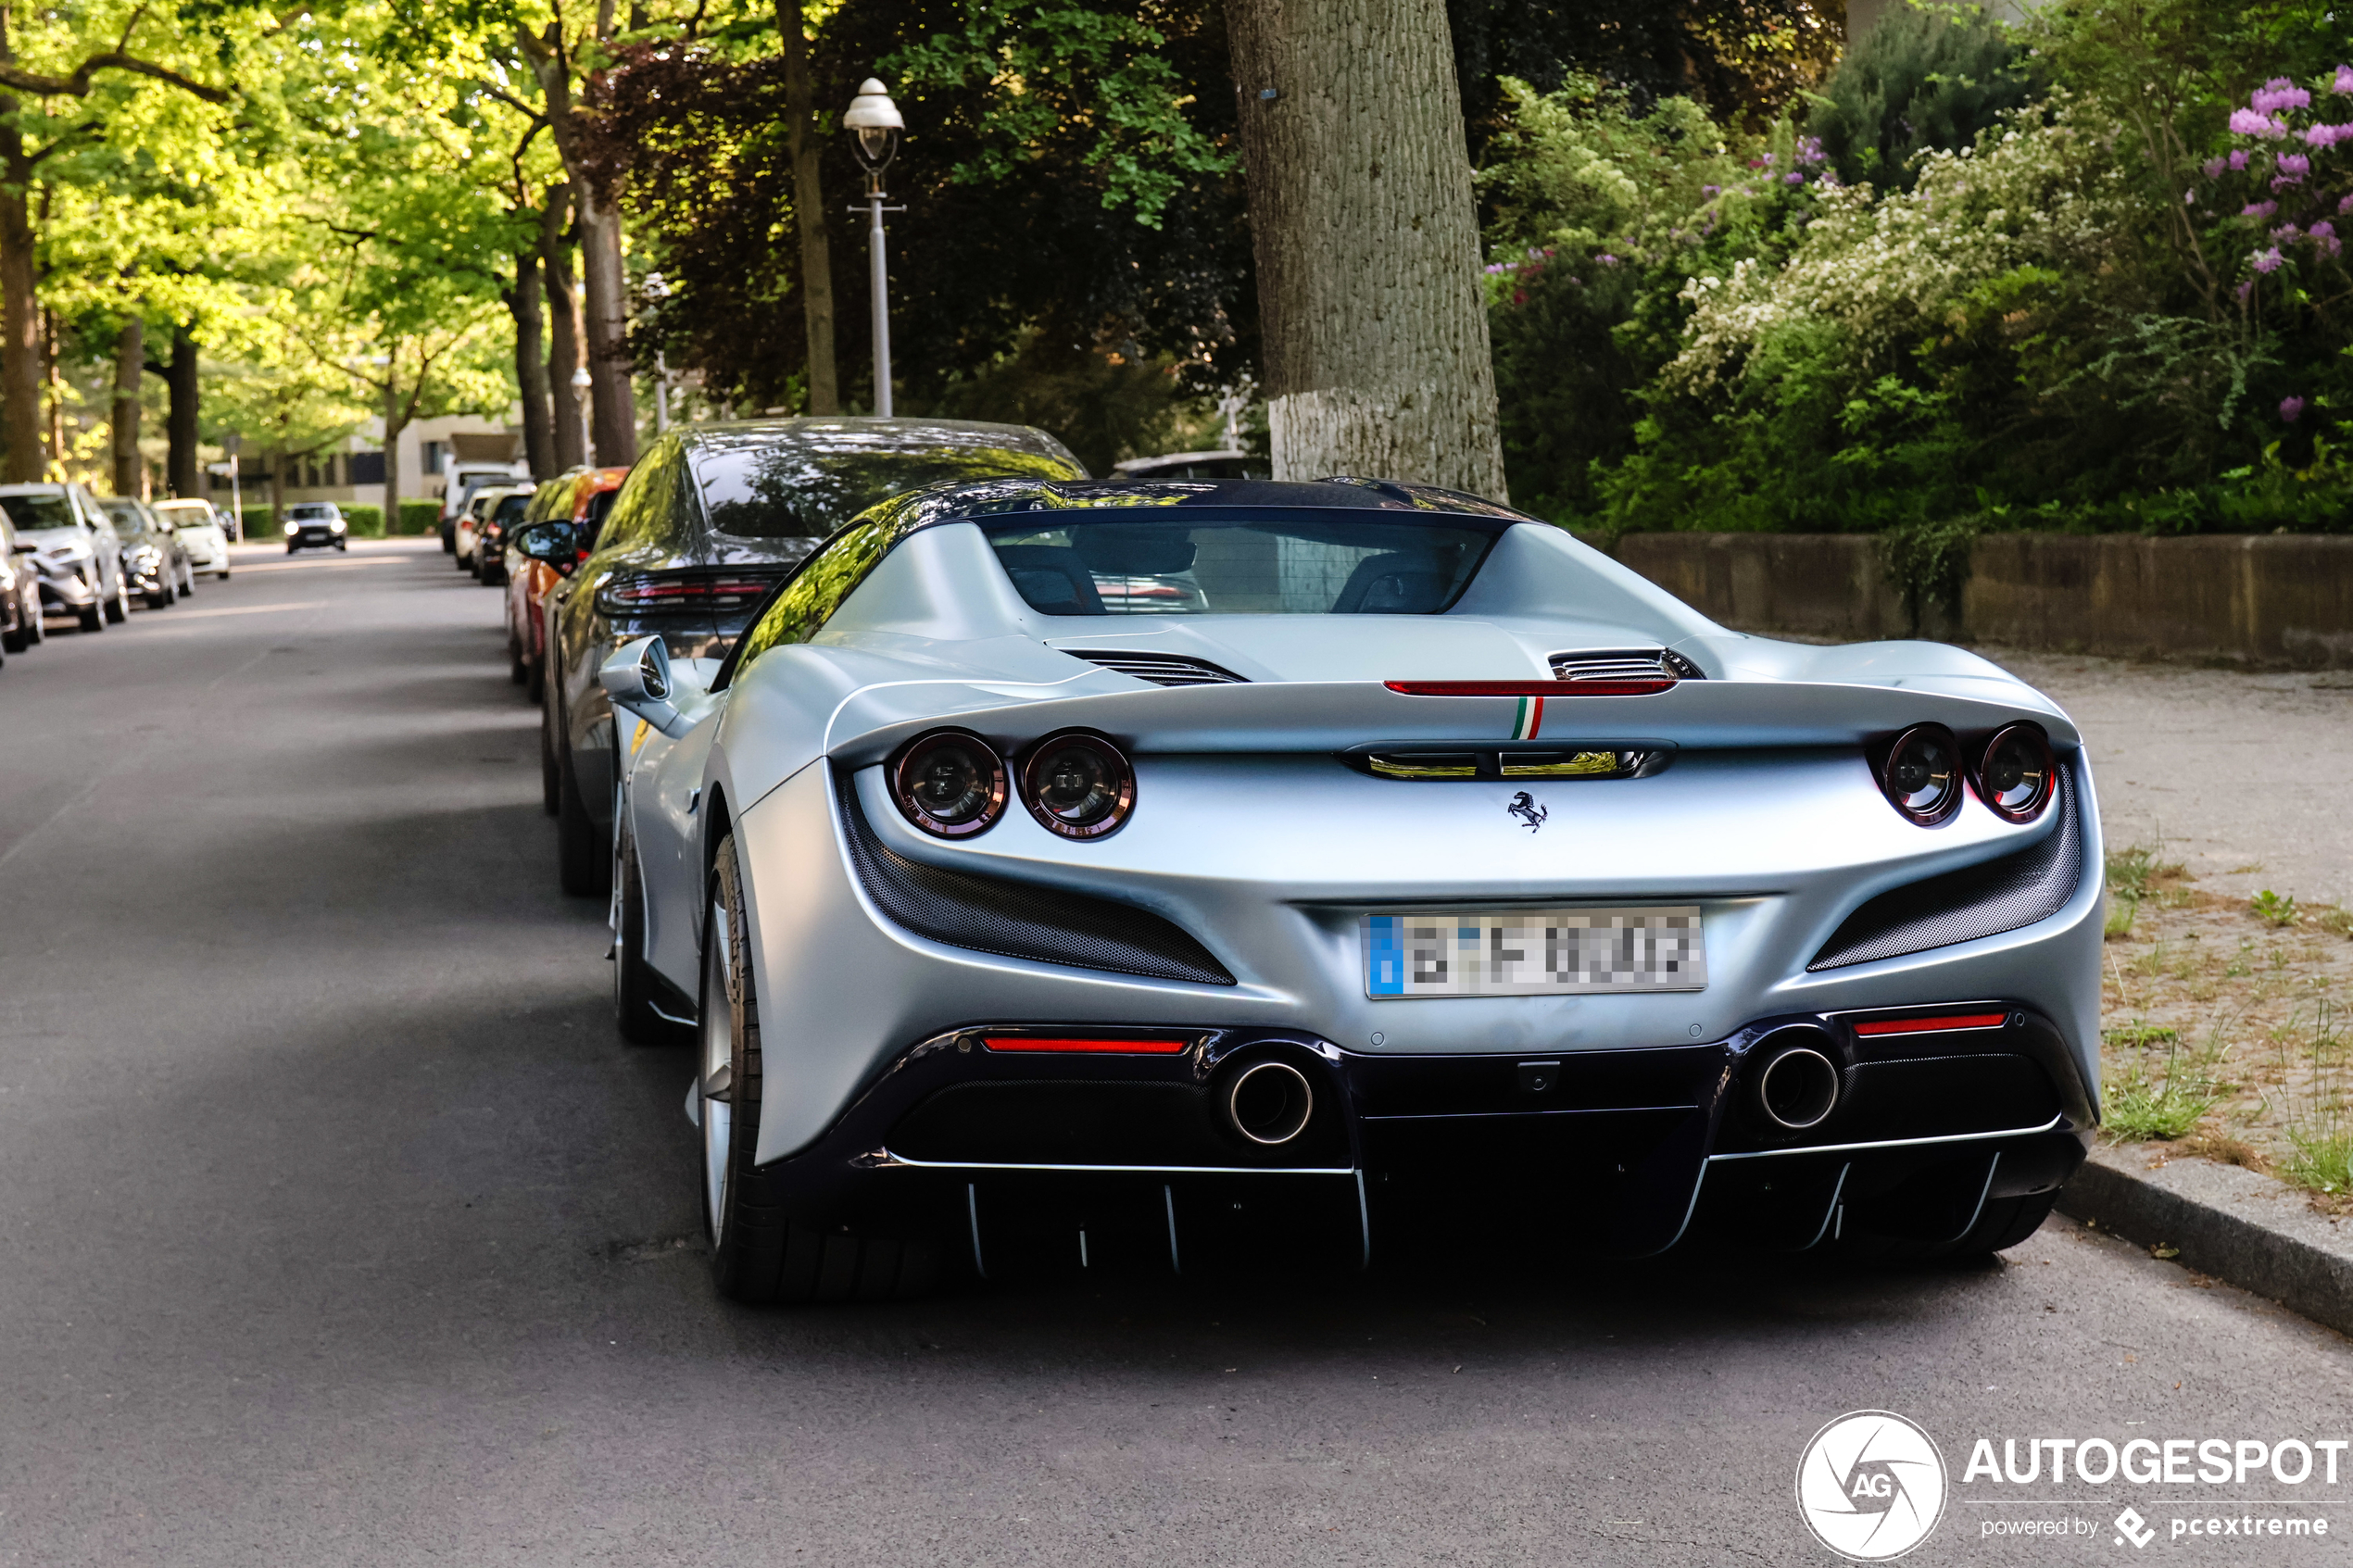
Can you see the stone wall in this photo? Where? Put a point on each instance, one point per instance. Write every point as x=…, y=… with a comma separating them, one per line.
x=2265, y=599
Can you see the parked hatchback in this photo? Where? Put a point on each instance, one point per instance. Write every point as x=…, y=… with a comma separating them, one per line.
x=200, y=531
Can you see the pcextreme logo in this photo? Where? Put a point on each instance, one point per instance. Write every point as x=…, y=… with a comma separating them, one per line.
x=1871, y=1485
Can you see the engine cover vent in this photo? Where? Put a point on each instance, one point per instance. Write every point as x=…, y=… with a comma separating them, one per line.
x=1624, y=664
x=1160, y=669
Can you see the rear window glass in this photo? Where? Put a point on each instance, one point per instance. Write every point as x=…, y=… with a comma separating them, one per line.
x=801, y=490
x=1299, y=563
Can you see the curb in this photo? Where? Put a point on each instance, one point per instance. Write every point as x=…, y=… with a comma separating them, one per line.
x=2236, y=1225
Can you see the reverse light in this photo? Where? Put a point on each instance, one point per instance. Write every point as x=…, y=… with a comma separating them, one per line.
x=1078, y=786
x=2017, y=773
x=1921, y=777
x=948, y=783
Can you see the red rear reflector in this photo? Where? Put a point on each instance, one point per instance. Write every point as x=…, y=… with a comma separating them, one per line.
x=1105, y=1047
x=1930, y=1025
x=1640, y=687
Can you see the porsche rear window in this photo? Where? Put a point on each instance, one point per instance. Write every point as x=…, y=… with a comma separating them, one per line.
x=1299, y=563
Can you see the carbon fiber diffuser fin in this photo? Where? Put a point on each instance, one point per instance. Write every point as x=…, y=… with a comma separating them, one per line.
x=1018, y=921
x=1982, y=901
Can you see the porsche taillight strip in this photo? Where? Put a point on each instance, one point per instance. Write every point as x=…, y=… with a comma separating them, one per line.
x=1937, y=1024
x=1085, y=1045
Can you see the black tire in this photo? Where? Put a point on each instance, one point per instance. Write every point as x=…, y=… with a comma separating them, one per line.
x=536, y=674
x=92, y=620
x=634, y=984
x=343, y=544
x=292, y=548
x=14, y=642
x=759, y=1253
x=584, y=857
x=36, y=634
x=448, y=542
x=551, y=777
x=516, y=672
x=118, y=608
x=223, y=574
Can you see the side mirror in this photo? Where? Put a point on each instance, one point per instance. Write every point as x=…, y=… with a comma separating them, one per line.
x=639, y=679
x=22, y=547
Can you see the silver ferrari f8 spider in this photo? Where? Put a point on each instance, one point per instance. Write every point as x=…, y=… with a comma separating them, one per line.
x=1202, y=876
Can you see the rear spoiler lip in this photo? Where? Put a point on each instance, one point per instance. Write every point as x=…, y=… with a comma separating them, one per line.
x=1329, y=716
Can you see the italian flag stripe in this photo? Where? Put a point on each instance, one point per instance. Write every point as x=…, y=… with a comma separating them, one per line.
x=1530, y=719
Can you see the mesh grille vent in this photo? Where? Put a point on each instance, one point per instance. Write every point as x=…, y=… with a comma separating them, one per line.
x=1624, y=664
x=1160, y=669
x=1962, y=906
x=1017, y=921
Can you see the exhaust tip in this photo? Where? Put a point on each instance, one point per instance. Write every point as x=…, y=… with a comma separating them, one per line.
x=1798, y=1088
x=1269, y=1102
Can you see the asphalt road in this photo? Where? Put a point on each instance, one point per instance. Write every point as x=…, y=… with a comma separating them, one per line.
x=336, y=1227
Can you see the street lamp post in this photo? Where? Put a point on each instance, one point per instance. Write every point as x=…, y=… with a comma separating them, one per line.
x=581, y=382
x=875, y=119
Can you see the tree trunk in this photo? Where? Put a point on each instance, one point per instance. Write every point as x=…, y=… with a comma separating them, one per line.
x=277, y=487
x=531, y=370
x=20, y=318
x=181, y=470
x=809, y=211
x=563, y=315
x=392, y=442
x=1375, y=340
x=605, y=306
x=130, y=359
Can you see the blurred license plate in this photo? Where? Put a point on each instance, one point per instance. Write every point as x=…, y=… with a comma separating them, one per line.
x=1535, y=952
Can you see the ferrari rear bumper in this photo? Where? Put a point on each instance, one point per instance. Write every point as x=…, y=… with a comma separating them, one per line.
x=1035, y=1150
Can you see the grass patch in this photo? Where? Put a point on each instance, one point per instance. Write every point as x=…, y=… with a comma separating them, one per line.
x=2141, y=1034
x=2272, y=909
x=2320, y=1160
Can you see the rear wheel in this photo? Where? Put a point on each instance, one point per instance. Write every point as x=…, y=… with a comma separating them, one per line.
x=92, y=620
x=118, y=608
x=551, y=778
x=759, y=1253
x=516, y=673
x=633, y=982
x=583, y=857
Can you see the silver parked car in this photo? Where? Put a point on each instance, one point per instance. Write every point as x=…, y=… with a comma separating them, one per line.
x=74, y=549
x=1417, y=873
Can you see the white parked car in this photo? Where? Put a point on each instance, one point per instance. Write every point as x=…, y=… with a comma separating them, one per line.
x=200, y=531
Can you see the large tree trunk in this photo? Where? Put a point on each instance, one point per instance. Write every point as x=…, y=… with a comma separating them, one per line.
x=531, y=370
x=181, y=470
x=278, y=461
x=1375, y=353
x=392, y=442
x=605, y=305
x=20, y=316
x=130, y=359
x=563, y=315
x=809, y=211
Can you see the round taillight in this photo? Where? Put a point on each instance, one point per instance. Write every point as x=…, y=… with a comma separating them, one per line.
x=1922, y=775
x=2017, y=774
x=949, y=784
x=1078, y=786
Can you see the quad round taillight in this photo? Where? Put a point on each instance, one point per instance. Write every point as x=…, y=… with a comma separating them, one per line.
x=1922, y=775
x=949, y=784
x=1078, y=786
x=2017, y=772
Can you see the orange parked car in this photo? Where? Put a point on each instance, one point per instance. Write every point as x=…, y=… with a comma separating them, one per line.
x=573, y=503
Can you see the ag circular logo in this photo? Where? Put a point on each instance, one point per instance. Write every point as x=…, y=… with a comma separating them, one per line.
x=1871, y=1485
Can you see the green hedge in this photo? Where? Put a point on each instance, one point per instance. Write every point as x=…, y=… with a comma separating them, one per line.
x=366, y=522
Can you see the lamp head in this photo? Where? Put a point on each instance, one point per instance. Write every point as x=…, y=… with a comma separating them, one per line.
x=875, y=124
